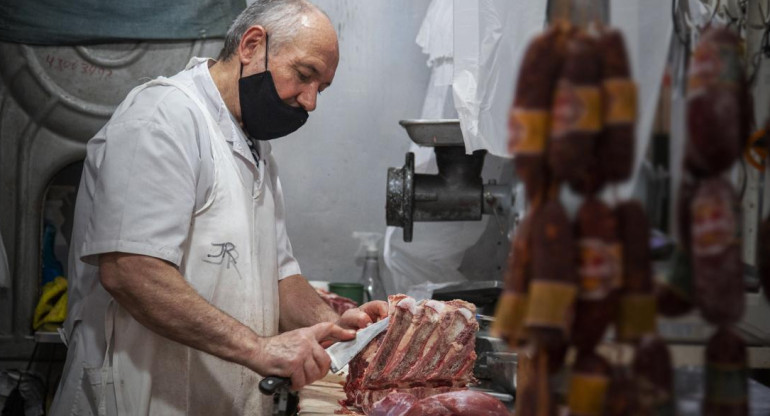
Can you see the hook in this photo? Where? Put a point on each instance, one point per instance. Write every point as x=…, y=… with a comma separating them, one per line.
x=764, y=49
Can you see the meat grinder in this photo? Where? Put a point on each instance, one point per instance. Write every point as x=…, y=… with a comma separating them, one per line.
x=456, y=193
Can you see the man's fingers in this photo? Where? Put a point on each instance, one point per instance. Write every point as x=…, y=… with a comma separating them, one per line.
x=359, y=317
x=322, y=359
x=376, y=309
x=298, y=379
x=330, y=330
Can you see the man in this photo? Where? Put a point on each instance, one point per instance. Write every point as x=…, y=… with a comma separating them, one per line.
x=182, y=274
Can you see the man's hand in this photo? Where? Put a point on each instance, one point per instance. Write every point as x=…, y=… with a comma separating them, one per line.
x=298, y=354
x=364, y=315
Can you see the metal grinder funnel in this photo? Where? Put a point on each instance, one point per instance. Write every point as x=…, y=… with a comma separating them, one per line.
x=456, y=193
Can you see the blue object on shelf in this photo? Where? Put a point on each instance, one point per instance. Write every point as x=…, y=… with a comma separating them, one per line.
x=51, y=265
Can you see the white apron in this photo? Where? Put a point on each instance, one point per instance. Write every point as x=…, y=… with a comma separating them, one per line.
x=230, y=259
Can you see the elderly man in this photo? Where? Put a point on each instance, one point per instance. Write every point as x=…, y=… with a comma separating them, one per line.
x=183, y=276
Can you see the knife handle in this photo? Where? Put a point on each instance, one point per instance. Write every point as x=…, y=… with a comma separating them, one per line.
x=271, y=384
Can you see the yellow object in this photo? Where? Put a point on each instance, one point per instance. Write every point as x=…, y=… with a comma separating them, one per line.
x=587, y=394
x=528, y=131
x=51, y=309
x=550, y=304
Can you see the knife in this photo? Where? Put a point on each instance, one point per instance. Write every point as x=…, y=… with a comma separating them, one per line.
x=341, y=353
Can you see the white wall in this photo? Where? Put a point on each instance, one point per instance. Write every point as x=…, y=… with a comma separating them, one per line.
x=333, y=170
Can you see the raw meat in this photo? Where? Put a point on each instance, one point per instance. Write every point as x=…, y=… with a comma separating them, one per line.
x=456, y=403
x=394, y=404
x=428, y=349
x=339, y=303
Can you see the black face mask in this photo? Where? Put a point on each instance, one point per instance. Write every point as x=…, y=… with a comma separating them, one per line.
x=265, y=116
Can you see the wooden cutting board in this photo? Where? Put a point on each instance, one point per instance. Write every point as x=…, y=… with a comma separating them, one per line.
x=323, y=397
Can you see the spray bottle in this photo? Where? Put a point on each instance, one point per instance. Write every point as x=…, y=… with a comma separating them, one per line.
x=370, y=278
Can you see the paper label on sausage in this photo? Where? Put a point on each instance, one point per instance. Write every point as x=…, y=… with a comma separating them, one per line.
x=713, y=224
x=576, y=109
x=509, y=316
x=528, y=131
x=636, y=316
x=550, y=304
x=713, y=63
x=726, y=383
x=587, y=394
x=597, y=269
x=620, y=101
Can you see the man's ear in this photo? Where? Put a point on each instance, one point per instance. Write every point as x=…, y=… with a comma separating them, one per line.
x=252, y=45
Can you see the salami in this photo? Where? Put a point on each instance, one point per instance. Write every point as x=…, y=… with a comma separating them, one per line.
x=637, y=306
x=577, y=110
x=512, y=304
x=553, y=287
x=599, y=273
x=653, y=375
x=726, y=391
x=621, y=395
x=716, y=252
x=588, y=385
x=718, y=114
x=529, y=119
x=615, y=149
x=533, y=392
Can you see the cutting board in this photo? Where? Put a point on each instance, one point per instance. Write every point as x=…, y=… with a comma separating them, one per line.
x=323, y=397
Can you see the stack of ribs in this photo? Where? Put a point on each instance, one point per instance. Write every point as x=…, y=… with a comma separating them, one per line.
x=428, y=349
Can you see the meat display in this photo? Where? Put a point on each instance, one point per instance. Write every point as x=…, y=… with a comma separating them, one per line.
x=339, y=303
x=456, y=403
x=428, y=349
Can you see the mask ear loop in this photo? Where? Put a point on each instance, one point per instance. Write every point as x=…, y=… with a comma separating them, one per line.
x=267, y=49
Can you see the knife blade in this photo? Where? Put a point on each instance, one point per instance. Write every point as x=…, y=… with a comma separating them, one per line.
x=341, y=353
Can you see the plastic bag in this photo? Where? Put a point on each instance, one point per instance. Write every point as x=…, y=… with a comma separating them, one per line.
x=490, y=39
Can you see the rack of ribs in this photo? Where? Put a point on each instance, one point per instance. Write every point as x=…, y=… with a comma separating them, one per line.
x=427, y=349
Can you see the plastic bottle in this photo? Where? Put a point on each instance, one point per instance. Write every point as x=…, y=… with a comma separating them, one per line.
x=370, y=278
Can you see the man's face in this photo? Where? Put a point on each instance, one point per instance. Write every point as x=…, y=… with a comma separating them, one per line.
x=305, y=66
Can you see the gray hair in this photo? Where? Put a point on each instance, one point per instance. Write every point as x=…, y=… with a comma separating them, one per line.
x=280, y=18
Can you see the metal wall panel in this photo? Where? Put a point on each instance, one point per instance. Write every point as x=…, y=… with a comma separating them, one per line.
x=52, y=101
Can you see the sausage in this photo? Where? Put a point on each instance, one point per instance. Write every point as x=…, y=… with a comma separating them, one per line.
x=718, y=113
x=529, y=117
x=576, y=113
x=615, y=147
x=764, y=257
x=726, y=392
x=512, y=304
x=588, y=385
x=716, y=252
x=533, y=391
x=653, y=376
x=621, y=395
x=599, y=273
x=554, y=277
x=637, y=306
